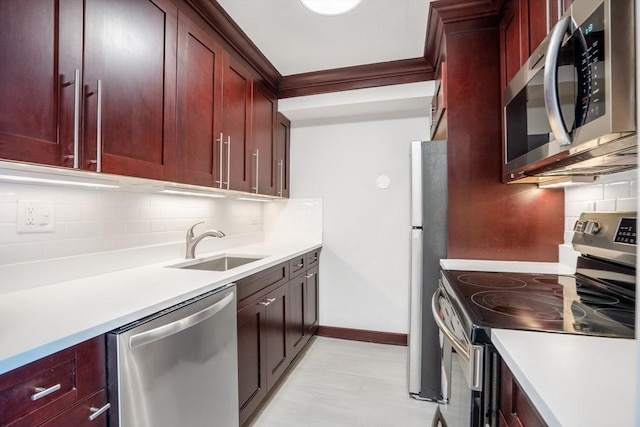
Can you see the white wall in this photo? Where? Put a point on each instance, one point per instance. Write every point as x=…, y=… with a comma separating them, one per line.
x=365, y=257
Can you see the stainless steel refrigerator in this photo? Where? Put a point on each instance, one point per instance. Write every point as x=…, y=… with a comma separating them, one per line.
x=428, y=246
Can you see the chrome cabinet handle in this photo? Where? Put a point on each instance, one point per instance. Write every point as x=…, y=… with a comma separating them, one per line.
x=98, y=160
x=96, y=412
x=257, y=157
x=445, y=331
x=43, y=391
x=280, y=169
x=308, y=276
x=299, y=265
x=99, y=130
x=76, y=118
x=220, y=143
x=164, y=331
x=228, y=161
x=267, y=302
x=550, y=83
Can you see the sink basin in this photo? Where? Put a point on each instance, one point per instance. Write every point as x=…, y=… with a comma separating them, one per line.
x=221, y=263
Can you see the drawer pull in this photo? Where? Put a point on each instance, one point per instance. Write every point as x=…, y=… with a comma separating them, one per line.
x=299, y=265
x=42, y=392
x=308, y=276
x=96, y=412
x=267, y=302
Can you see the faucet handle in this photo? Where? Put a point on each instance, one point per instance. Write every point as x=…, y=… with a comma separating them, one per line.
x=190, y=230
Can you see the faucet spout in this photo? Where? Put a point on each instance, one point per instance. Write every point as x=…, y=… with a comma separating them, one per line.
x=193, y=241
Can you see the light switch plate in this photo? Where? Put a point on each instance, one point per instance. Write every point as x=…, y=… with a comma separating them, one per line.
x=35, y=216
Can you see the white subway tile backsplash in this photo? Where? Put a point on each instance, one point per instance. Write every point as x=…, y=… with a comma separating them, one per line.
x=607, y=205
x=88, y=221
x=630, y=204
x=616, y=190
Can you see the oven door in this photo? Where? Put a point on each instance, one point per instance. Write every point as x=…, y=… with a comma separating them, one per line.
x=468, y=394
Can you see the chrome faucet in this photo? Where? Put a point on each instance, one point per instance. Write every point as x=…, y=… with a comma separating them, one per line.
x=192, y=241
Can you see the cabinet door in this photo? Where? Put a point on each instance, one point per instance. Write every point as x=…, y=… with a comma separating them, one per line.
x=297, y=301
x=263, y=120
x=130, y=77
x=510, y=46
x=199, y=105
x=40, y=49
x=277, y=316
x=282, y=150
x=516, y=410
x=311, y=311
x=236, y=122
x=252, y=373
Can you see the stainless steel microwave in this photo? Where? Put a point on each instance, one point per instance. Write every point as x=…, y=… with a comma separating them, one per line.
x=571, y=108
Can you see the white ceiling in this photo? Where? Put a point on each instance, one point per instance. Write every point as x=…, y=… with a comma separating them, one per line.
x=296, y=40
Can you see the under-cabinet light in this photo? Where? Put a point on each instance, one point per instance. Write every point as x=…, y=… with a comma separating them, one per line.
x=567, y=181
x=330, y=7
x=29, y=177
x=189, y=192
x=253, y=199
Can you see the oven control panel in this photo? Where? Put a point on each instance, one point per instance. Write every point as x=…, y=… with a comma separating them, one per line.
x=607, y=235
x=626, y=232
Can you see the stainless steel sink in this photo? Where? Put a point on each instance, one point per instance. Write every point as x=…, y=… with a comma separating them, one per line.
x=221, y=263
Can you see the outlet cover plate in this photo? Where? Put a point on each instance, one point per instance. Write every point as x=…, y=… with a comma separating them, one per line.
x=35, y=216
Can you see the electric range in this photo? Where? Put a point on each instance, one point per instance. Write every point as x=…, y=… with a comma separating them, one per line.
x=598, y=300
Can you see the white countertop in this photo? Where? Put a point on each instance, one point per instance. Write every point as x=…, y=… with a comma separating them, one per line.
x=40, y=321
x=573, y=380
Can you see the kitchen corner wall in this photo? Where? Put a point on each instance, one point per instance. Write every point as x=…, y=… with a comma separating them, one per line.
x=364, y=266
x=90, y=221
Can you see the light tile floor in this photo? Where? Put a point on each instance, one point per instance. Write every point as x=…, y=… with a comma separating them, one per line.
x=339, y=383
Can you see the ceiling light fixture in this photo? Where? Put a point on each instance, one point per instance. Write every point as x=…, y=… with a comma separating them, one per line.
x=330, y=7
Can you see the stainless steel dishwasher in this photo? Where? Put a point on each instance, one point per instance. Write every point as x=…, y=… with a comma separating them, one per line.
x=178, y=367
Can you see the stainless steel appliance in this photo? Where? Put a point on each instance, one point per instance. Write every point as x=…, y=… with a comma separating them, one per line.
x=599, y=299
x=570, y=110
x=428, y=246
x=178, y=367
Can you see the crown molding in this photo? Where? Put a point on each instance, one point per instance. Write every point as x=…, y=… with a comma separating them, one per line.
x=226, y=27
x=356, y=77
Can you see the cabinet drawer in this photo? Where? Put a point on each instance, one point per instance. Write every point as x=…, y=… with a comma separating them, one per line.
x=35, y=392
x=313, y=258
x=79, y=415
x=298, y=265
x=266, y=280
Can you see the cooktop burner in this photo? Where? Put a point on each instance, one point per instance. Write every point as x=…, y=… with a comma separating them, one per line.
x=545, y=302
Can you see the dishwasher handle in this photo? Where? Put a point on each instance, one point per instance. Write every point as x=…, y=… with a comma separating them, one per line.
x=164, y=331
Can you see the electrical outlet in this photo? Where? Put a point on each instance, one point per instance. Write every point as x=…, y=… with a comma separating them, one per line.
x=35, y=216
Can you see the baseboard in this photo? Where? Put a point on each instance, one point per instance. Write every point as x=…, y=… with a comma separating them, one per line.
x=363, y=335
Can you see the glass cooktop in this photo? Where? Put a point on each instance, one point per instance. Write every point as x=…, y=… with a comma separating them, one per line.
x=541, y=302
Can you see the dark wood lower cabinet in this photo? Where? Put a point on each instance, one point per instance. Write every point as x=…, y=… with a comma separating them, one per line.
x=516, y=410
x=252, y=373
x=275, y=322
x=57, y=390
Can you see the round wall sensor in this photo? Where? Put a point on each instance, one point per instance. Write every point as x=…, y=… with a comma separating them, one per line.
x=383, y=182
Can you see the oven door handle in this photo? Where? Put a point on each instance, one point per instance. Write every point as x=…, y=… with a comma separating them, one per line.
x=472, y=355
x=460, y=349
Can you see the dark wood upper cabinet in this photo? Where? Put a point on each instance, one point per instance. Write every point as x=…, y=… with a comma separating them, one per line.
x=263, y=120
x=282, y=155
x=236, y=123
x=199, y=106
x=130, y=66
x=40, y=49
